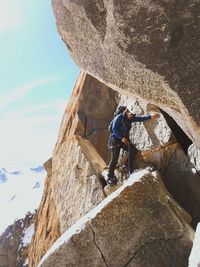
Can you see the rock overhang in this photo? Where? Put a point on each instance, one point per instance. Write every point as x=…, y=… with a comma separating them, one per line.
x=141, y=48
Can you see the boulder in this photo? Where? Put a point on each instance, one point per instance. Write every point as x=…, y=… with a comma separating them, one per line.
x=76, y=183
x=138, y=225
x=149, y=50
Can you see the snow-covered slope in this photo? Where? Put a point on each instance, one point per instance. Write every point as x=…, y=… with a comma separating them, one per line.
x=20, y=191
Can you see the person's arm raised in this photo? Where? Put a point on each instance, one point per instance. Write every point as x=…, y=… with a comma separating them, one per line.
x=146, y=117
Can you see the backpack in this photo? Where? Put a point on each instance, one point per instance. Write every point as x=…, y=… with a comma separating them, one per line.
x=119, y=110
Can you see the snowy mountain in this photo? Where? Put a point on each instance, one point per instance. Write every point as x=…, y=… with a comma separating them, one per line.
x=21, y=188
x=39, y=169
x=16, y=172
x=3, y=177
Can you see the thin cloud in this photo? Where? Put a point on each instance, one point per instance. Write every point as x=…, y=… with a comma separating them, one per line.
x=35, y=121
x=56, y=106
x=30, y=132
x=20, y=92
x=10, y=15
x=29, y=138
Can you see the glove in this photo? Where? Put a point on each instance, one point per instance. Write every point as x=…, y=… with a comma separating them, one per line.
x=154, y=114
x=124, y=140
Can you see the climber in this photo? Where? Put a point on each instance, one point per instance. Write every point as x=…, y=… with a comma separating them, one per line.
x=121, y=126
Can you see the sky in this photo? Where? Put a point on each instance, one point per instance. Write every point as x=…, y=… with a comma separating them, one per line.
x=37, y=77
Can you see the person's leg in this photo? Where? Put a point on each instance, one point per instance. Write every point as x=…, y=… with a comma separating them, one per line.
x=115, y=150
x=132, y=151
x=125, y=164
x=130, y=157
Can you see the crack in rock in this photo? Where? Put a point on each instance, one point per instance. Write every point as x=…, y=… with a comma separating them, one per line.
x=103, y=257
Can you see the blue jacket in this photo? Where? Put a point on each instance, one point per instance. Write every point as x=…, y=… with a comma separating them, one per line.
x=122, y=125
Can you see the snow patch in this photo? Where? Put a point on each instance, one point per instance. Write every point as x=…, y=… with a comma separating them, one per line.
x=26, y=262
x=194, y=170
x=9, y=235
x=105, y=174
x=28, y=234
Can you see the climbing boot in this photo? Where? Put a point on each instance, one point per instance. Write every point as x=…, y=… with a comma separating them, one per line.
x=111, y=180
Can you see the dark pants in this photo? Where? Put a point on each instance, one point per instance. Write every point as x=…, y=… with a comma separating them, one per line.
x=116, y=146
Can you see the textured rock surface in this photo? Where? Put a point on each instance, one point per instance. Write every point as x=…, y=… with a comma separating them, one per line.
x=194, y=259
x=73, y=184
x=158, y=147
x=88, y=114
x=47, y=223
x=151, y=134
x=78, y=158
x=13, y=253
x=138, y=225
x=147, y=49
x=75, y=180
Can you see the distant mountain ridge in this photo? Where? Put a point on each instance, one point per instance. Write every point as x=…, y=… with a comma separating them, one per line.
x=38, y=169
x=3, y=177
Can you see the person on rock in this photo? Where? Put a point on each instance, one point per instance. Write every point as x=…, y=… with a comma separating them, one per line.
x=119, y=139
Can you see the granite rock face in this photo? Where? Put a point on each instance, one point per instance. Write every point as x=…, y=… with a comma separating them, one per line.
x=159, y=146
x=150, y=50
x=88, y=113
x=47, y=223
x=138, y=225
x=81, y=150
x=15, y=243
x=73, y=183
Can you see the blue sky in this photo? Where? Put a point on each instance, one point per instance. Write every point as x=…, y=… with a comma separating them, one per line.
x=37, y=77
